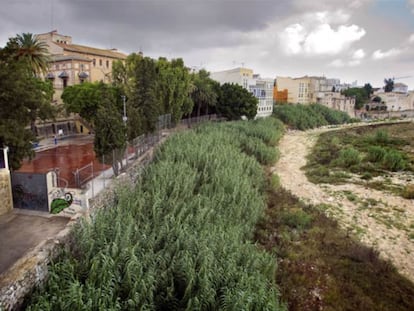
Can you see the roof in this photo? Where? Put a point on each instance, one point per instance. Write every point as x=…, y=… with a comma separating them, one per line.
x=59, y=58
x=399, y=84
x=92, y=51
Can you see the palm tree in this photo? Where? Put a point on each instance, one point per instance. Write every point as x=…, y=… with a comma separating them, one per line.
x=33, y=51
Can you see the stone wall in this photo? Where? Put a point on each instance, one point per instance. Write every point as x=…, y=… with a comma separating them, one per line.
x=32, y=270
x=6, y=200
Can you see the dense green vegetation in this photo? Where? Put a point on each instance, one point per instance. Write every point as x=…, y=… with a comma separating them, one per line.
x=23, y=96
x=303, y=117
x=367, y=152
x=321, y=267
x=182, y=239
x=235, y=102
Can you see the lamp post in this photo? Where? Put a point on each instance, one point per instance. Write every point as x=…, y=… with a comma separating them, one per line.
x=125, y=119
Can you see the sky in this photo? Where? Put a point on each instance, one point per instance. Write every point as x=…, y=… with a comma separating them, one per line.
x=352, y=40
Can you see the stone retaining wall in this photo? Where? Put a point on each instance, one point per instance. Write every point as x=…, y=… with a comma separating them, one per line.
x=6, y=202
x=31, y=270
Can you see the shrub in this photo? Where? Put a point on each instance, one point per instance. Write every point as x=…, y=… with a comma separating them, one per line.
x=408, y=192
x=376, y=154
x=394, y=161
x=297, y=219
x=348, y=157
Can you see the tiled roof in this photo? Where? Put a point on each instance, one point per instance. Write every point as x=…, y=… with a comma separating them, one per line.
x=58, y=58
x=91, y=51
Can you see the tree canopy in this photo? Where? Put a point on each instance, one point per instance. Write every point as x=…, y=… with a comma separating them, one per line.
x=235, y=102
x=203, y=92
x=23, y=99
x=361, y=95
x=389, y=85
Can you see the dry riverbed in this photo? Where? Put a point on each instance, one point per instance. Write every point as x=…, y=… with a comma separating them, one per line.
x=381, y=220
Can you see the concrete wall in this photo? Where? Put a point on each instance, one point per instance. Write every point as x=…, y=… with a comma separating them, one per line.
x=6, y=200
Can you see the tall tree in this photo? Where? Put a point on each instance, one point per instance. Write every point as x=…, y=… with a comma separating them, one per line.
x=142, y=94
x=23, y=98
x=368, y=89
x=173, y=88
x=34, y=52
x=236, y=102
x=110, y=133
x=389, y=85
x=203, y=94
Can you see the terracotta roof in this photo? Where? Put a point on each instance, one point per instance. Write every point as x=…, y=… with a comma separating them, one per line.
x=58, y=58
x=92, y=51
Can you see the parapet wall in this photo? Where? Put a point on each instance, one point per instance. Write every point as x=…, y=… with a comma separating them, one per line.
x=6, y=201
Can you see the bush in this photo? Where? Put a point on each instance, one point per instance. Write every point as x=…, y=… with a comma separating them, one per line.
x=303, y=117
x=297, y=219
x=408, y=192
x=394, y=161
x=376, y=154
x=348, y=157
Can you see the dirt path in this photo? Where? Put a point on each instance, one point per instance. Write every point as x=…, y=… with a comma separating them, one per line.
x=378, y=219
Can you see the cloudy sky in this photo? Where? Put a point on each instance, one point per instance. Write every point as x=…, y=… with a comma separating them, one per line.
x=363, y=40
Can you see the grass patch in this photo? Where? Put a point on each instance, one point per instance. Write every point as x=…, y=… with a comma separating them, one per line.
x=368, y=152
x=321, y=267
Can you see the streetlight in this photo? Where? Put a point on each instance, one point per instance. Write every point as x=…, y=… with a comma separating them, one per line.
x=125, y=119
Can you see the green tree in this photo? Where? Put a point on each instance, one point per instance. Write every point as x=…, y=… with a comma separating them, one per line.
x=110, y=134
x=23, y=98
x=368, y=89
x=173, y=88
x=203, y=92
x=377, y=99
x=143, y=103
x=361, y=95
x=86, y=98
x=34, y=52
x=389, y=85
x=235, y=102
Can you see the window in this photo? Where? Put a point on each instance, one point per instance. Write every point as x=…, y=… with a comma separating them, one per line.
x=94, y=62
x=107, y=64
x=100, y=62
x=65, y=83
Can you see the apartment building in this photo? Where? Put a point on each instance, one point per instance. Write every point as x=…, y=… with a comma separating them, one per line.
x=240, y=76
x=299, y=90
x=261, y=88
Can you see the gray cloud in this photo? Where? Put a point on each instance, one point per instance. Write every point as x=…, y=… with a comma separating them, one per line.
x=220, y=34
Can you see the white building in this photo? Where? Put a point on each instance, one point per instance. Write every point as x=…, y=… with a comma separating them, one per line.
x=261, y=88
x=400, y=88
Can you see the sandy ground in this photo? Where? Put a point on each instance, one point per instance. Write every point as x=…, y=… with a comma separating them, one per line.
x=378, y=219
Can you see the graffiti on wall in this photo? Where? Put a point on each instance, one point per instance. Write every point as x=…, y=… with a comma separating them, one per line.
x=59, y=204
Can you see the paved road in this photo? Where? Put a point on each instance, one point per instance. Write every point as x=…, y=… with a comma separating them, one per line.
x=21, y=232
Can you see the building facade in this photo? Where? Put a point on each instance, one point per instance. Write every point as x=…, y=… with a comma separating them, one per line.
x=261, y=88
x=240, y=76
x=72, y=63
x=311, y=89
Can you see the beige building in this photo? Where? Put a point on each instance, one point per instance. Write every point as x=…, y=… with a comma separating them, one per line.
x=72, y=63
x=397, y=101
x=240, y=76
x=337, y=101
x=261, y=88
x=299, y=90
